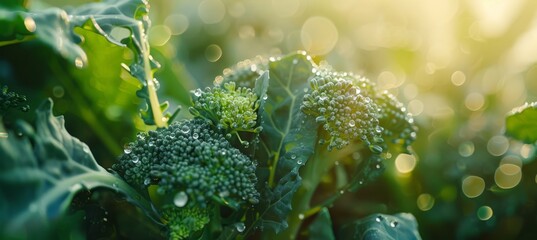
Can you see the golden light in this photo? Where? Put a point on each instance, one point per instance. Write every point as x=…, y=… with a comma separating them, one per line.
x=508, y=176
x=405, y=163
x=473, y=186
x=425, y=202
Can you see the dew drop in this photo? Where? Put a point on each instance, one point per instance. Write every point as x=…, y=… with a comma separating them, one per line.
x=301, y=216
x=295, y=61
x=197, y=92
x=223, y=194
x=105, y=219
x=151, y=144
x=147, y=181
x=265, y=97
x=127, y=150
x=394, y=224
x=379, y=218
x=240, y=227
x=352, y=123
x=79, y=63
x=180, y=199
x=320, y=119
x=135, y=159
x=299, y=162
x=185, y=129
x=195, y=136
x=342, y=192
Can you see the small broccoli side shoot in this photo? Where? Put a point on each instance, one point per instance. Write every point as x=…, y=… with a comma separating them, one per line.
x=230, y=108
x=345, y=113
x=194, y=167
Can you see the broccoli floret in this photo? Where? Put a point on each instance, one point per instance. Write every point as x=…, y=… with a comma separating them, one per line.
x=182, y=221
x=193, y=163
x=399, y=127
x=10, y=100
x=243, y=73
x=228, y=107
x=346, y=113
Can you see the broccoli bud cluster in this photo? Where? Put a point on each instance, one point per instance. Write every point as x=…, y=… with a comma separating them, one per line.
x=398, y=125
x=346, y=113
x=228, y=107
x=195, y=165
x=192, y=157
x=185, y=220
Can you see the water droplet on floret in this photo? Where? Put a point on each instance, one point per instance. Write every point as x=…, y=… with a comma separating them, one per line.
x=180, y=199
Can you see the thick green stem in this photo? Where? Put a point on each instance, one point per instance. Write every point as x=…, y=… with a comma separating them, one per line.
x=315, y=169
x=158, y=117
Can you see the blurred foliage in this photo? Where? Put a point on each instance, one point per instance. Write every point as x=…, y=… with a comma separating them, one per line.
x=459, y=66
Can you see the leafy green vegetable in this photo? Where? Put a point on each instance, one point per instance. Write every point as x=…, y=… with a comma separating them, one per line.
x=381, y=226
x=57, y=29
x=521, y=123
x=47, y=167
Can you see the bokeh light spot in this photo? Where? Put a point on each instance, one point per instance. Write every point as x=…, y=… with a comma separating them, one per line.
x=497, y=145
x=405, y=163
x=466, y=149
x=526, y=150
x=415, y=107
x=425, y=201
x=285, y=8
x=484, y=213
x=177, y=23
x=458, y=78
x=474, y=101
x=159, y=35
x=213, y=53
x=211, y=11
x=473, y=186
x=508, y=176
x=319, y=35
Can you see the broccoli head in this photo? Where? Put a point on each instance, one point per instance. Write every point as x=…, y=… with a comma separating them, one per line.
x=196, y=165
x=346, y=113
x=228, y=107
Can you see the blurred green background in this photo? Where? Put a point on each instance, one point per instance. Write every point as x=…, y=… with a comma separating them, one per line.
x=458, y=66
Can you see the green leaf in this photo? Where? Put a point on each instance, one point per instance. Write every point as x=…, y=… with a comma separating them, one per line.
x=287, y=139
x=402, y=226
x=321, y=228
x=275, y=205
x=47, y=167
x=521, y=123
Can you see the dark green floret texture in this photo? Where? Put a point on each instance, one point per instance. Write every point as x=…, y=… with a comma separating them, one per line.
x=182, y=221
x=192, y=157
x=345, y=113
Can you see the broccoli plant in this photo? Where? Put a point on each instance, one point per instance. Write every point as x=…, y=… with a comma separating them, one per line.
x=245, y=162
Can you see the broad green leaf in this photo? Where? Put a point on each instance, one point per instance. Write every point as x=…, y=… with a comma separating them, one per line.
x=47, y=167
x=123, y=23
x=321, y=228
x=402, y=226
x=521, y=123
x=287, y=139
